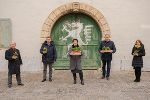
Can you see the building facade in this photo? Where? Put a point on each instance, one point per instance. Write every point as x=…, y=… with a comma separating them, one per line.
x=30, y=22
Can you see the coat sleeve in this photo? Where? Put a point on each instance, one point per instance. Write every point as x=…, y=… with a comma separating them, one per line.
x=69, y=51
x=20, y=59
x=82, y=53
x=55, y=53
x=41, y=50
x=8, y=55
x=142, y=53
x=113, y=47
x=100, y=46
x=132, y=51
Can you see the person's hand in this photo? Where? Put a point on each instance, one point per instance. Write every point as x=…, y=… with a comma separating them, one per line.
x=135, y=54
x=44, y=52
x=71, y=53
x=14, y=57
x=110, y=51
x=102, y=51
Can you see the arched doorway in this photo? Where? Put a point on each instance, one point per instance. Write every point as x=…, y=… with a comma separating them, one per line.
x=86, y=30
x=75, y=18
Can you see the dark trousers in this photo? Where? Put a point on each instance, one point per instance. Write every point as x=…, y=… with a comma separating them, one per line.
x=80, y=75
x=106, y=70
x=18, y=78
x=137, y=73
x=45, y=70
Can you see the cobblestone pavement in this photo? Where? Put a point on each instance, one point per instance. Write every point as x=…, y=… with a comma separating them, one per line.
x=119, y=87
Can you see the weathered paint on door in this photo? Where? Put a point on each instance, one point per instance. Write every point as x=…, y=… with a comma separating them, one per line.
x=86, y=30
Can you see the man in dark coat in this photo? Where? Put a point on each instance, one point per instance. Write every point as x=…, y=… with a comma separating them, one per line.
x=49, y=56
x=14, y=61
x=138, y=52
x=106, y=48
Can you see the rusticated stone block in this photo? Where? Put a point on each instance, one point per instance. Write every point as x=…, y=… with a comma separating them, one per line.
x=74, y=7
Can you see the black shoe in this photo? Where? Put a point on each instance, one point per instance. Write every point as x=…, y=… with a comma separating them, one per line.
x=135, y=80
x=10, y=86
x=75, y=82
x=138, y=80
x=21, y=84
x=107, y=78
x=50, y=80
x=102, y=77
x=43, y=80
x=82, y=82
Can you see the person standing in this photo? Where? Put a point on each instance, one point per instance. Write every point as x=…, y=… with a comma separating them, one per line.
x=14, y=61
x=106, y=48
x=49, y=56
x=138, y=52
x=75, y=61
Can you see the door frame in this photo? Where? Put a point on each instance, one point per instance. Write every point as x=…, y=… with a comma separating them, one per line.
x=74, y=7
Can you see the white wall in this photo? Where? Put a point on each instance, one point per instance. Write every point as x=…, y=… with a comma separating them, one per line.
x=128, y=20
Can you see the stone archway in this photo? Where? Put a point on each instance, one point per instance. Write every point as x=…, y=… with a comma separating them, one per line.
x=74, y=7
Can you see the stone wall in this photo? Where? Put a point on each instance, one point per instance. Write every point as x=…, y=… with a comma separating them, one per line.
x=128, y=20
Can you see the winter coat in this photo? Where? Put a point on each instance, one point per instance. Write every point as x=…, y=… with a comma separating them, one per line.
x=108, y=44
x=13, y=64
x=51, y=55
x=75, y=60
x=138, y=60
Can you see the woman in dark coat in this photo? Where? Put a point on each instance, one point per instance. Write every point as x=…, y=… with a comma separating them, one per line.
x=138, y=52
x=75, y=61
x=14, y=62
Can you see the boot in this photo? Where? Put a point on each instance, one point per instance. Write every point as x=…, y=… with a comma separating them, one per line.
x=82, y=82
x=102, y=77
x=21, y=84
x=50, y=79
x=75, y=78
x=43, y=80
x=10, y=85
x=75, y=81
x=107, y=78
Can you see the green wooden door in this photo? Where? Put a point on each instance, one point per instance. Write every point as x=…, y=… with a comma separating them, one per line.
x=86, y=30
